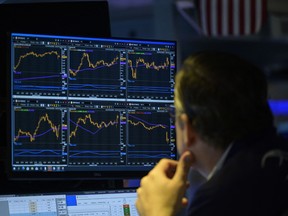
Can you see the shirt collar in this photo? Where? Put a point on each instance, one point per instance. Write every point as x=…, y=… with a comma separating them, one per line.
x=220, y=162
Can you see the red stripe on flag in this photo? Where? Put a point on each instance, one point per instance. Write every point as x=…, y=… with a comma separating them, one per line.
x=219, y=18
x=230, y=17
x=208, y=16
x=242, y=17
x=264, y=11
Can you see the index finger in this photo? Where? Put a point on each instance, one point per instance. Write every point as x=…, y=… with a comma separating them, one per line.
x=184, y=165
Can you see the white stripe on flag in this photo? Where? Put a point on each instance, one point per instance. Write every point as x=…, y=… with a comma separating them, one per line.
x=247, y=20
x=258, y=17
x=236, y=18
x=203, y=16
x=224, y=18
x=214, y=17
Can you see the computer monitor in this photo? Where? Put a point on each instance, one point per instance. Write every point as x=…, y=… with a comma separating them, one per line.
x=87, y=107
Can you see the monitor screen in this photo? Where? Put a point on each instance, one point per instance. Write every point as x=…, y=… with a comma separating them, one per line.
x=101, y=202
x=89, y=107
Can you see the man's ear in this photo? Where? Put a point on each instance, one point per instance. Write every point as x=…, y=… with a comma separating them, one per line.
x=189, y=132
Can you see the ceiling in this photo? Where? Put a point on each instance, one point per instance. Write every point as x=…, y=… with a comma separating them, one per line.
x=273, y=5
x=112, y=3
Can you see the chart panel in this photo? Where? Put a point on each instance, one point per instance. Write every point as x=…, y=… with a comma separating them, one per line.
x=38, y=136
x=150, y=75
x=37, y=70
x=151, y=137
x=94, y=73
x=94, y=137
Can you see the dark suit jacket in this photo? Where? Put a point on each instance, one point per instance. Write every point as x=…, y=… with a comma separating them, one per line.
x=252, y=181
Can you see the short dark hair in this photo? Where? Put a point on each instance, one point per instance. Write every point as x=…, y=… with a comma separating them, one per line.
x=224, y=96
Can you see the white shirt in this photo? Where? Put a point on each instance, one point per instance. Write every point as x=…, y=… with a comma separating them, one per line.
x=219, y=163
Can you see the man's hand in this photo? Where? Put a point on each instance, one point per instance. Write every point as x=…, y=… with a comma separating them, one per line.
x=162, y=191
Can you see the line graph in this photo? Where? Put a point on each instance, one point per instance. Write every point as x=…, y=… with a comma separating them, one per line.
x=36, y=55
x=137, y=64
x=153, y=127
x=94, y=136
x=149, y=74
x=36, y=153
x=37, y=69
x=94, y=72
x=149, y=137
x=37, y=135
x=91, y=126
x=42, y=129
x=94, y=154
x=98, y=64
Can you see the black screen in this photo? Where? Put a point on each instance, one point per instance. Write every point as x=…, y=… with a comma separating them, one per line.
x=89, y=107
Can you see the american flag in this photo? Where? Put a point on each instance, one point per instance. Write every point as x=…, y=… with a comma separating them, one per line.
x=231, y=17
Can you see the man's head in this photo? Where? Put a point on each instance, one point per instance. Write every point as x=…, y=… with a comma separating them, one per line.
x=224, y=97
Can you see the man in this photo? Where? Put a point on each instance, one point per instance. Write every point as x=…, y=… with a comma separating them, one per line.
x=225, y=131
